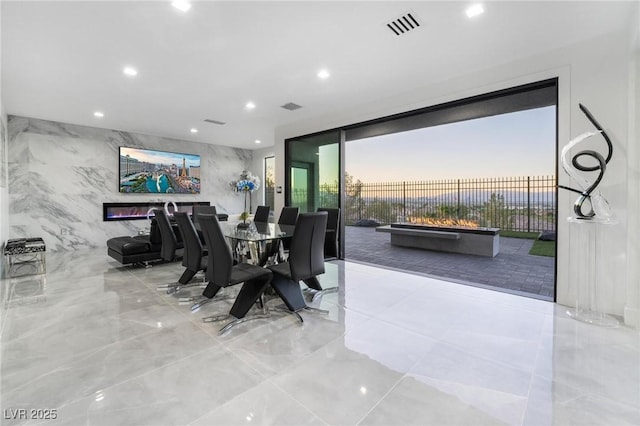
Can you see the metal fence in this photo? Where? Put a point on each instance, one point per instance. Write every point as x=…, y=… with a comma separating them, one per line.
x=524, y=203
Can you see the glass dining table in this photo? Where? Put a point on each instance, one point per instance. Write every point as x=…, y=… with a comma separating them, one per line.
x=259, y=243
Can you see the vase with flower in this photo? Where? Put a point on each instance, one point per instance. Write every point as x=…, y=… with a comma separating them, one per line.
x=247, y=184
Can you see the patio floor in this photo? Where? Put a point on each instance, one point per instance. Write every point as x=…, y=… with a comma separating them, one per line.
x=513, y=270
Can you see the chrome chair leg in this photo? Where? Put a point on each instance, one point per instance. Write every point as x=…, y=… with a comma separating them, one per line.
x=161, y=287
x=318, y=294
x=287, y=311
x=189, y=299
x=177, y=288
x=172, y=288
x=199, y=304
x=266, y=313
x=318, y=310
x=237, y=321
x=202, y=300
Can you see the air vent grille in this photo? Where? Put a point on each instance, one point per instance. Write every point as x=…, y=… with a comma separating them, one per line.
x=403, y=25
x=220, y=123
x=291, y=106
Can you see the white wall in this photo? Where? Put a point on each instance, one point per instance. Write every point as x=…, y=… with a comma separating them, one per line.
x=4, y=190
x=632, y=307
x=594, y=73
x=60, y=174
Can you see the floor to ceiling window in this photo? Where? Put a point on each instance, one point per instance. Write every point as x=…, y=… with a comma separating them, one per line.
x=485, y=162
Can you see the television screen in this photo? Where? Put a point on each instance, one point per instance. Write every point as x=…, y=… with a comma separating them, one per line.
x=145, y=171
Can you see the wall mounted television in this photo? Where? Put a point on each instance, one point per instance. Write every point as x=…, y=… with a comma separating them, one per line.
x=145, y=171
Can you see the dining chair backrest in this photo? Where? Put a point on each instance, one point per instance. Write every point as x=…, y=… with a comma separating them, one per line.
x=333, y=218
x=202, y=210
x=306, y=252
x=220, y=259
x=169, y=240
x=331, y=249
x=288, y=216
x=192, y=256
x=262, y=214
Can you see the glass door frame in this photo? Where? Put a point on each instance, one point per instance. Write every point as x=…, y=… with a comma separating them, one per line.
x=288, y=164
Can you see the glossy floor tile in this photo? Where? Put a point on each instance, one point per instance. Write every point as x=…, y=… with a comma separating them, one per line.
x=95, y=343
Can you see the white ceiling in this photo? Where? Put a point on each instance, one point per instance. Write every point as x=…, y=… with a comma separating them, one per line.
x=62, y=61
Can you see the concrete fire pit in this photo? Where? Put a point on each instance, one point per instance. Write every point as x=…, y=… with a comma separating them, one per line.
x=452, y=239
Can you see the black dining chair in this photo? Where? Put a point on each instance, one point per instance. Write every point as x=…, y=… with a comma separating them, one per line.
x=262, y=214
x=305, y=263
x=171, y=248
x=196, y=210
x=221, y=272
x=331, y=249
x=193, y=256
x=288, y=216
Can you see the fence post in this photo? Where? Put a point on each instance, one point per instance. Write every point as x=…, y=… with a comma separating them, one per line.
x=528, y=203
x=404, y=200
x=458, y=206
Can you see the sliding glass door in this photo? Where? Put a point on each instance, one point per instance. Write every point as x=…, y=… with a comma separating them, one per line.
x=313, y=171
x=483, y=161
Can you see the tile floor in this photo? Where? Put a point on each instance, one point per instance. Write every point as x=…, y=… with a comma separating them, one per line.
x=99, y=345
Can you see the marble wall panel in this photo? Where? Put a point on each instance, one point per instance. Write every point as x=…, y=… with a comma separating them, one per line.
x=3, y=154
x=4, y=191
x=60, y=174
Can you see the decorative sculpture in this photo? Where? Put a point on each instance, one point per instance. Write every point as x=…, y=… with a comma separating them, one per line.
x=166, y=207
x=586, y=264
x=598, y=205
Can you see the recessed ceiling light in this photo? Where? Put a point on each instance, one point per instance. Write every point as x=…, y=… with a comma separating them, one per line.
x=98, y=114
x=181, y=5
x=258, y=141
x=324, y=74
x=250, y=105
x=194, y=130
x=130, y=71
x=474, y=10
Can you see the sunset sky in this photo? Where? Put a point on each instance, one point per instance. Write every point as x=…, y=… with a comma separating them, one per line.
x=516, y=144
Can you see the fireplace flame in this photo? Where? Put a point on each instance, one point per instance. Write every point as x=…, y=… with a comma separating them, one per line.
x=461, y=223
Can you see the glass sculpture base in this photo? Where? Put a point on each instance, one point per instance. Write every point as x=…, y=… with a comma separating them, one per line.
x=593, y=317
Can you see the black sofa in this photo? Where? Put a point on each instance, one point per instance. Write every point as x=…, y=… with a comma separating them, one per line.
x=138, y=249
x=142, y=248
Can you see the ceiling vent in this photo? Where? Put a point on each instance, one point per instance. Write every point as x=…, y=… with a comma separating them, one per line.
x=291, y=106
x=220, y=123
x=403, y=25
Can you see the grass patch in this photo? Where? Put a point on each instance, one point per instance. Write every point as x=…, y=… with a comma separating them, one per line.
x=543, y=248
x=539, y=248
x=518, y=234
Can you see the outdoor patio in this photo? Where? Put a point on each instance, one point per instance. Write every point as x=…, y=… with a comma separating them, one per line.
x=513, y=270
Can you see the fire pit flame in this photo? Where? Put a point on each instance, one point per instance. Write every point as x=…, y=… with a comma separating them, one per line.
x=460, y=223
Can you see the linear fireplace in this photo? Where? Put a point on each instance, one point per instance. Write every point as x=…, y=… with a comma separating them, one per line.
x=453, y=237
